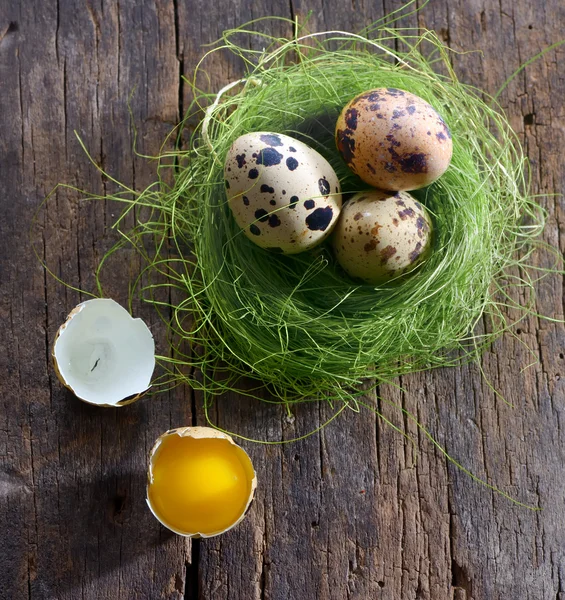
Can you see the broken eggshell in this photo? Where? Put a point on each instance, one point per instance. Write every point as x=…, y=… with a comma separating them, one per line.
x=104, y=355
x=200, y=433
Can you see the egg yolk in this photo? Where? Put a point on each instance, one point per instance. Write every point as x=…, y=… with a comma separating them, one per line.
x=200, y=485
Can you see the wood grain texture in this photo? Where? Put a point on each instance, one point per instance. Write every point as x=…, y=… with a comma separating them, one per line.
x=356, y=511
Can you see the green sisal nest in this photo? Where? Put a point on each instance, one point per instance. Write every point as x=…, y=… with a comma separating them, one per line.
x=297, y=325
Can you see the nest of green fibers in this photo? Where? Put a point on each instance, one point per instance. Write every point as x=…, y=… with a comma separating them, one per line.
x=297, y=324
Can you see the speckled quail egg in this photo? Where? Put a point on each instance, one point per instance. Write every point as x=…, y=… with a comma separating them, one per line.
x=381, y=235
x=393, y=139
x=283, y=194
x=104, y=355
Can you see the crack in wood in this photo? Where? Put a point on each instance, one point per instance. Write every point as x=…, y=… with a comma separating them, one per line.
x=180, y=58
x=192, y=575
x=461, y=581
x=11, y=28
x=263, y=578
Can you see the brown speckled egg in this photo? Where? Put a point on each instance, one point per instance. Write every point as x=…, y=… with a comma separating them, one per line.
x=393, y=139
x=283, y=194
x=380, y=236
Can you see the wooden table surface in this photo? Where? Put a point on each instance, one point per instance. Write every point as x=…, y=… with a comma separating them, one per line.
x=356, y=511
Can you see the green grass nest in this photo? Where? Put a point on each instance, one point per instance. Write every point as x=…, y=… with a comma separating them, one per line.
x=296, y=325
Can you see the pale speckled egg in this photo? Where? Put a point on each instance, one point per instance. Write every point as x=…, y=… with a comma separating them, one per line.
x=393, y=140
x=381, y=235
x=283, y=194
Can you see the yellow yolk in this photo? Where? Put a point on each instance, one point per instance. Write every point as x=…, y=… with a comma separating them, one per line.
x=200, y=485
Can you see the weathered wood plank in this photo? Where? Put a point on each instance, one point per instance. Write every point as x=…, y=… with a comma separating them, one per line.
x=79, y=494
x=22, y=364
x=490, y=540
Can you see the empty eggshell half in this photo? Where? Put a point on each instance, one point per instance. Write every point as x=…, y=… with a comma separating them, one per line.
x=104, y=355
x=206, y=494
